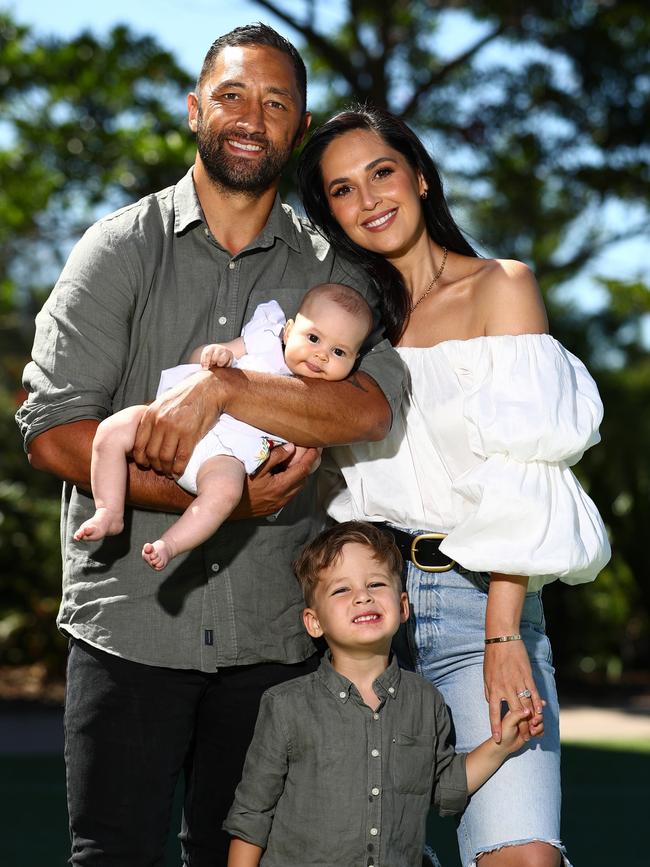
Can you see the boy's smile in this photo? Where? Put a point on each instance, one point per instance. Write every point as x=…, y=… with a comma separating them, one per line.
x=358, y=603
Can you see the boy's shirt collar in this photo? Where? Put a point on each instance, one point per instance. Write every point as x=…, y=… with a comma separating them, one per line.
x=385, y=686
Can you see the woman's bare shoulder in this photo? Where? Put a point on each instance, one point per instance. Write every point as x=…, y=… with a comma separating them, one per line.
x=509, y=298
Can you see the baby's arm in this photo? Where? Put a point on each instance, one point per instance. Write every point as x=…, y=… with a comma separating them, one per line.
x=218, y=354
x=243, y=854
x=488, y=757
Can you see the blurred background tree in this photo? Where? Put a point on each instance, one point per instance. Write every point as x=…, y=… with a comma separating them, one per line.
x=539, y=125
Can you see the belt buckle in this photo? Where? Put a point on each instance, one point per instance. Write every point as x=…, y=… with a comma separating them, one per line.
x=414, y=560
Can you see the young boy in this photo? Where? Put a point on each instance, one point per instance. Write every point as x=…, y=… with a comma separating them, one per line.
x=346, y=761
x=323, y=342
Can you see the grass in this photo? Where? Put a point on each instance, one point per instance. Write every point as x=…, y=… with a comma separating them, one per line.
x=604, y=809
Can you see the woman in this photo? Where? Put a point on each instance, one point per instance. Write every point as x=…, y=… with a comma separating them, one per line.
x=477, y=462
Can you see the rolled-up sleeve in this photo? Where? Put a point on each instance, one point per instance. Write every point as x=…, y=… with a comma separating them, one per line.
x=263, y=778
x=81, y=343
x=450, y=782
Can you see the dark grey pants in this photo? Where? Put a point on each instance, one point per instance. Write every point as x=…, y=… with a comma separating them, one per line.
x=130, y=729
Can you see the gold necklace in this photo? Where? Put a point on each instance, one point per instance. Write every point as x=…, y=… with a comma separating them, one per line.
x=434, y=280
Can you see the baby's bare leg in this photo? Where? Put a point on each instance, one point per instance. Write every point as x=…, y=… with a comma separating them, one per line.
x=219, y=483
x=113, y=441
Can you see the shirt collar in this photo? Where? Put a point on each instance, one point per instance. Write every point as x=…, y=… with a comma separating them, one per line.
x=282, y=222
x=385, y=686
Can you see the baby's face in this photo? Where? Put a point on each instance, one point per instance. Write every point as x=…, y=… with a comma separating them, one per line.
x=324, y=341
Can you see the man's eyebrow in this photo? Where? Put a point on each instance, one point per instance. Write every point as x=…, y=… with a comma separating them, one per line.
x=278, y=91
x=370, y=166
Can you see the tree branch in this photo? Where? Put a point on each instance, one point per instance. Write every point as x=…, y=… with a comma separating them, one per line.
x=438, y=75
x=338, y=60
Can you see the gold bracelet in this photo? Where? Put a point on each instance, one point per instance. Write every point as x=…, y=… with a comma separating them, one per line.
x=501, y=638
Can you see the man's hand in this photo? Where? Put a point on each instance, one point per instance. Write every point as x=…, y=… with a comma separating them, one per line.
x=277, y=481
x=174, y=423
x=216, y=355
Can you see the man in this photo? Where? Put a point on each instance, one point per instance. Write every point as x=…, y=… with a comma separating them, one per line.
x=166, y=672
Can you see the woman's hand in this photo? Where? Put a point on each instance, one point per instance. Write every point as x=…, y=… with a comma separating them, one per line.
x=507, y=672
x=173, y=424
x=277, y=481
x=506, y=667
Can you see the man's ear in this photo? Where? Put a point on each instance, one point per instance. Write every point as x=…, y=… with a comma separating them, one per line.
x=311, y=622
x=302, y=131
x=192, y=111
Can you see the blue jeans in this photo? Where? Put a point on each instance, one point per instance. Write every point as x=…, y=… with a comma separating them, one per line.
x=446, y=632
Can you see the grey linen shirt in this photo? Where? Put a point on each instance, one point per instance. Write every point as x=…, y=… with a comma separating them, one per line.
x=140, y=291
x=328, y=776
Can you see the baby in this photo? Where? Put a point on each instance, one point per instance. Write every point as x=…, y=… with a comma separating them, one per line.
x=322, y=342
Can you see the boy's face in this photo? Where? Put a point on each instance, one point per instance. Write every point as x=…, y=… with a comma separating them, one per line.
x=358, y=603
x=324, y=340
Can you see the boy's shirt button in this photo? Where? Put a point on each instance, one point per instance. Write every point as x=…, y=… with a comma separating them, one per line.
x=374, y=753
x=342, y=694
x=375, y=791
x=391, y=689
x=374, y=832
x=375, y=716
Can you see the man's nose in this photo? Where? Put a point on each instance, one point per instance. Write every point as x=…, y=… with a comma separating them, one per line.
x=251, y=118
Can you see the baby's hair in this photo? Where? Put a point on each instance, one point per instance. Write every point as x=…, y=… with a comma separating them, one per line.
x=326, y=548
x=345, y=296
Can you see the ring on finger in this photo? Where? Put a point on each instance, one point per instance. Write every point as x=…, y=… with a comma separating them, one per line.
x=525, y=693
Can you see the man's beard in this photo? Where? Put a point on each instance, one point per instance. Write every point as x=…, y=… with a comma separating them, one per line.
x=240, y=174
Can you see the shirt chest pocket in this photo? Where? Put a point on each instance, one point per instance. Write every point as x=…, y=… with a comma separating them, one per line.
x=412, y=764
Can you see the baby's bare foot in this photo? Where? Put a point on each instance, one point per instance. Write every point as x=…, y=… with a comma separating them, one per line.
x=157, y=554
x=103, y=523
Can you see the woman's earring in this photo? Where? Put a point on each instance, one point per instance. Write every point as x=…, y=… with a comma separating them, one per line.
x=424, y=194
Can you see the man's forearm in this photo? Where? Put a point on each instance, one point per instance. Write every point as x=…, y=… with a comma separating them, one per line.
x=308, y=412
x=65, y=451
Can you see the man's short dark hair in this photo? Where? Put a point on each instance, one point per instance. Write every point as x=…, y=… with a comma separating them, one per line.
x=257, y=34
x=326, y=548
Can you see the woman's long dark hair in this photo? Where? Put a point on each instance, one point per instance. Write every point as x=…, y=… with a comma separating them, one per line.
x=394, y=296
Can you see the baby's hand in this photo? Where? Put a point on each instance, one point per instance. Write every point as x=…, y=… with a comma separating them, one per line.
x=216, y=355
x=514, y=734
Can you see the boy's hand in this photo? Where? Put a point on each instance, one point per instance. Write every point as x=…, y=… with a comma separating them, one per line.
x=518, y=726
x=216, y=355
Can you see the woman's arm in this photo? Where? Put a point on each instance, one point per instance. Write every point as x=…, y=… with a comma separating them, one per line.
x=506, y=667
x=512, y=305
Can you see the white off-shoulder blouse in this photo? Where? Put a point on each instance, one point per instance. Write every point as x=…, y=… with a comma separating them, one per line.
x=481, y=450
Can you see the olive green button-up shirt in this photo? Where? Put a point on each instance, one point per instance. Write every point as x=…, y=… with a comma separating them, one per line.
x=328, y=776
x=140, y=291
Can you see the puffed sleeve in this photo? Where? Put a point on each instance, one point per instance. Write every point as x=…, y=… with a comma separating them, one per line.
x=531, y=409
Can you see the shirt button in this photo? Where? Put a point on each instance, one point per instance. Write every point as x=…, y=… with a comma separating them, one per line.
x=391, y=689
x=231, y=265
x=375, y=791
x=374, y=832
x=215, y=567
x=206, y=232
x=374, y=753
x=375, y=716
x=342, y=694
x=222, y=320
